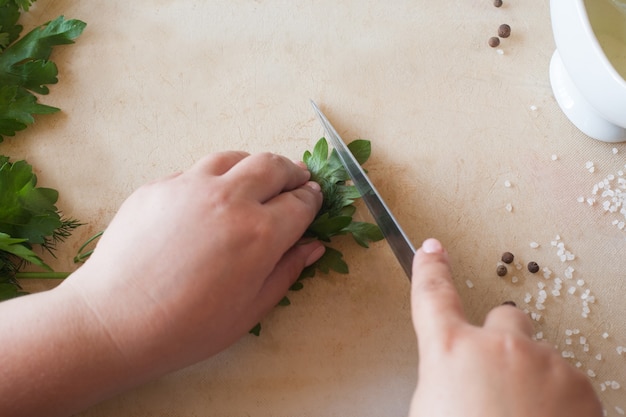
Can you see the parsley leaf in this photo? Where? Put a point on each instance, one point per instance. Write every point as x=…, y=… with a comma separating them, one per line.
x=25, y=67
x=28, y=216
x=335, y=217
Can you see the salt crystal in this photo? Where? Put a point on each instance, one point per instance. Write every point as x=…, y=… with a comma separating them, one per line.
x=500, y=51
x=599, y=356
x=568, y=341
x=507, y=183
x=591, y=373
x=619, y=410
x=575, y=331
x=619, y=350
x=568, y=332
x=586, y=347
x=578, y=364
x=533, y=108
x=581, y=199
x=583, y=340
x=589, y=164
x=469, y=284
x=615, y=151
x=554, y=157
x=514, y=279
x=571, y=290
x=534, y=245
x=580, y=282
x=540, y=306
x=602, y=387
x=539, y=335
x=605, y=335
x=615, y=385
x=509, y=207
x=556, y=293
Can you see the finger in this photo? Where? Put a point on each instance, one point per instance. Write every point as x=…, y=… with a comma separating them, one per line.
x=285, y=273
x=218, y=163
x=265, y=175
x=436, y=304
x=292, y=212
x=507, y=318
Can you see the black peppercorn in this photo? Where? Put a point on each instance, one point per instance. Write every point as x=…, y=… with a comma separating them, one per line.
x=501, y=270
x=494, y=41
x=497, y=3
x=533, y=267
x=504, y=31
x=507, y=257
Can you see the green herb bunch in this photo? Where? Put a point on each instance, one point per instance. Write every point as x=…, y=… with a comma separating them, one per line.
x=335, y=217
x=25, y=67
x=28, y=214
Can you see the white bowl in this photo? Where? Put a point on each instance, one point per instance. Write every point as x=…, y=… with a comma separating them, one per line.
x=588, y=68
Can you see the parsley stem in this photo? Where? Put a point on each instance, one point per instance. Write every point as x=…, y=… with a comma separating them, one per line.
x=42, y=275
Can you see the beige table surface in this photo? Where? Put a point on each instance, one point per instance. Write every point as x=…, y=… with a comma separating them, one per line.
x=151, y=86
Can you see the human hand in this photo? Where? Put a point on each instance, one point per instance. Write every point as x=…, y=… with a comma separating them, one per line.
x=491, y=371
x=192, y=262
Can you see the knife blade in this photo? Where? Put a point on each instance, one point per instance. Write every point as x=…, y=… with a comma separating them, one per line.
x=396, y=238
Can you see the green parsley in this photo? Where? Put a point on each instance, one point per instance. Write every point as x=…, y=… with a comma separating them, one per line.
x=335, y=217
x=28, y=217
x=25, y=67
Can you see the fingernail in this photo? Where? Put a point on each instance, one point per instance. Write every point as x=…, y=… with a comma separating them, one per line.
x=509, y=303
x=314, y=186
x=432, y=245
x=315, y=255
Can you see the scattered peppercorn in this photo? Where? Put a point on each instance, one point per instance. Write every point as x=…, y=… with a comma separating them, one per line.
x=507, y=257
x=504, y=31
x=533, y=267
x=494, y=41
x=497, y=3
x=509, y=303
x=501, y=270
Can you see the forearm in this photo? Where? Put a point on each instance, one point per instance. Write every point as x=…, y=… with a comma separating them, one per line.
x=56, y=358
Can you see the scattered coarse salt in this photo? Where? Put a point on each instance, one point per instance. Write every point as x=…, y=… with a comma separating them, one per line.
x=568, y=332
x=586, y=347
x=620, y=350
x=568, y=341
x=615, y=385
x=580, y=282
x=579, y=365
x=500, y=51
x=514, y=279
x=469, y=284
x=541, y=285
x=602, y=387
x=534, y=108
x=589, y=164
x=507, y=183
x=619, y=410
x=581, y=199
x=534, y=245
x=615, y=151
x=509, y=207
x=528, y=298
x=599, y=356
x=569, y=272
x=518, y=266
x=539, y=335
x=554, y=157
x=556, y=293
x=591, y=373
x=583, y=340
x=605, y=335
x=571, y=290
x=576, y=331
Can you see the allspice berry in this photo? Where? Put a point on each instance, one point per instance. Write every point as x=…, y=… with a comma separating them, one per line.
x=504, y=31
x=494, y=41
x=533, y=267
x=497, y=3
x=501, y=270
x=507, y=257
